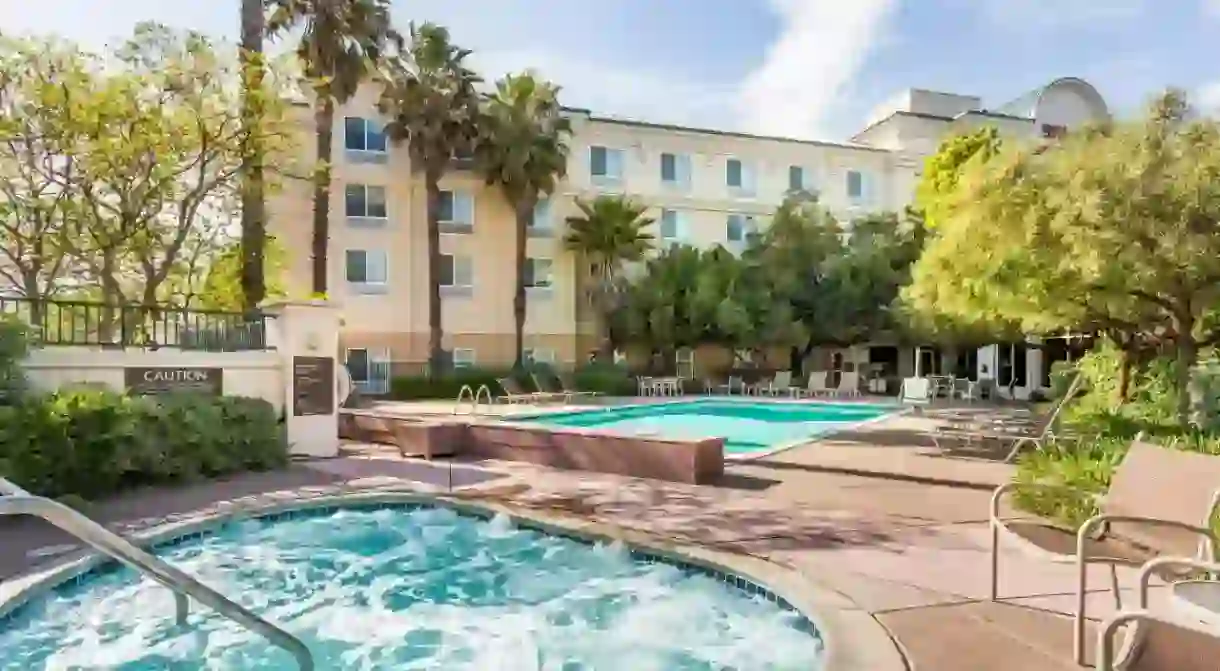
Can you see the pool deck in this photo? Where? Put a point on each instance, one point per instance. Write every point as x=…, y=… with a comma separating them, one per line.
x=895, y=526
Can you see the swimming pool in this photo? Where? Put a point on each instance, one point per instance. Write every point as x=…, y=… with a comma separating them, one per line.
x=415, y=587
x=748, y=427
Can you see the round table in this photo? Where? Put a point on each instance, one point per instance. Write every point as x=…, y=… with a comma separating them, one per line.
x=1197, y=599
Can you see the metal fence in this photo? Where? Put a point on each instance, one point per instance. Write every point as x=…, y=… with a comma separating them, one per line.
x=87, y=323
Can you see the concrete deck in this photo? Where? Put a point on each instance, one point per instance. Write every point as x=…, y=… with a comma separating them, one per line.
x=912, y=550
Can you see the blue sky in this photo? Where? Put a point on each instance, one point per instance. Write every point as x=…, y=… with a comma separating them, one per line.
x=806, y=68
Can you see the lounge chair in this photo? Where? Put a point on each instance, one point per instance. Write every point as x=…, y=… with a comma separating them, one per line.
x=780, y=382
x=816, y=386
x=1159, y=503
x=730, y=384
x=566, y=386
x=916, y=391
x=1156, y=642
x=557, y=388
x=1021, y=434
x=514, y=393
x=849, y=384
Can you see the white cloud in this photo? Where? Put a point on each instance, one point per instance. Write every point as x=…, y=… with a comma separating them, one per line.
x=1208, y=97
x=1040, y=15
x=1211, y=7
x=822, y=45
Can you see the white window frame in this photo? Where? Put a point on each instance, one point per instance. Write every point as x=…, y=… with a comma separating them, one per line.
x=550, y=265
x=376, y=372
x=679, y=221
x=464, y=357
x=685, y=356
x=749, y=178
x=530, y=355
x=542, y=222
x=862, y=198
x=682, y=171
x=608, y=179
x=454, y=288
x=366, y=219
x=455, y=226
x=365, y=155
x=368, y=286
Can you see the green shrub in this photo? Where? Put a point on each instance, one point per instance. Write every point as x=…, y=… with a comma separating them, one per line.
x=607, y=378
x=92, y=443
x=14, y=346
x=419, y=387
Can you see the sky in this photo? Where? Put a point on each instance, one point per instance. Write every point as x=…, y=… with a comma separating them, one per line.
x=800, y=68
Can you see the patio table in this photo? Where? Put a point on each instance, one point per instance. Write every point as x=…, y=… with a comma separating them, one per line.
x=1197, y=599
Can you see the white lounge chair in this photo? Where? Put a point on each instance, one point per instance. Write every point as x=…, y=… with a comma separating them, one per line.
x=916, y=391
x=780, y=383
x=816, y=385
x=849, y=384
x=1020, y=434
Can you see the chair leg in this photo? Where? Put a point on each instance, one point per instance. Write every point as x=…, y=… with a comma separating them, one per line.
x=995, y=560
x=1078, y=624
x=1118, y=595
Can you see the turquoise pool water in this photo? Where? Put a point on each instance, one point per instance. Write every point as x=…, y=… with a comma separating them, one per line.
x=747, y=427
x=413, y=588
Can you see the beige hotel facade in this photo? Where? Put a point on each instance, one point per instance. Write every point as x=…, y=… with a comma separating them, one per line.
x=704, y=187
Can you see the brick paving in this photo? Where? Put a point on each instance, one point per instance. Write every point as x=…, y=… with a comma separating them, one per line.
x=911, y=551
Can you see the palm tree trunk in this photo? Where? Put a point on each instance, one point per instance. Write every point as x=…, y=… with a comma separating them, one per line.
x=324, y=119
x=524, y=212
x=253, y=212
x=436, y=331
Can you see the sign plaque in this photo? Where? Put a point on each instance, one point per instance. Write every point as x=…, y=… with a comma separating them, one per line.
x=313, y=385
x=157, y=380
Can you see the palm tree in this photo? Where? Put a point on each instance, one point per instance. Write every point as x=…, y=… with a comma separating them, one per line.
x=253, y=210
x=343, y=43
x=608, y=232
x=524, y=150
x=433, y=106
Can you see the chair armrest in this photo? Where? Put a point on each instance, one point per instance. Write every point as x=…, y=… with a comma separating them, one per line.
x=998, y=494
x=1109, y=660
x=1097, y=520
x=1153, y=565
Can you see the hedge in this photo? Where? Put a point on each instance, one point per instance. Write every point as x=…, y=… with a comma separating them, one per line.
x=608, y=379
x=93, y=443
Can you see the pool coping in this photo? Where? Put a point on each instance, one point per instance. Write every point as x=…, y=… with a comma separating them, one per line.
x=852, y=639
x=894, y=411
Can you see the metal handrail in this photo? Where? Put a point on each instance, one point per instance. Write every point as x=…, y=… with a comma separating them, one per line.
x=466, y=389
x=17, y=501
x=479, y=394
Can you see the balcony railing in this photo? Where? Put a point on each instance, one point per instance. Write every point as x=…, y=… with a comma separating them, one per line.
x=88, y=323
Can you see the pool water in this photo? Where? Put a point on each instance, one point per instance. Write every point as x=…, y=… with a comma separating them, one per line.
x=413, y=588
x=747, y=427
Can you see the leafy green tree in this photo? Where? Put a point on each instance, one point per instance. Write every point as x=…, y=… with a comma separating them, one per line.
x=1113, y=227
x=343, y=43
x=524, y=151
x=609, y=233
x=434, y=108
x=942, y=171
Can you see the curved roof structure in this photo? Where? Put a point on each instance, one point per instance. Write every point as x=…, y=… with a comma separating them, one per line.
x=1032, y=104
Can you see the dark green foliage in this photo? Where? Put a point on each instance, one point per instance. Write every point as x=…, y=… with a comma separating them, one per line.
x=609, y=379
x=604, y=378
x=14, y=345
x=93, y=443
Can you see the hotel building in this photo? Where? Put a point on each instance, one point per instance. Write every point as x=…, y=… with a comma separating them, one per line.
x=704, y=187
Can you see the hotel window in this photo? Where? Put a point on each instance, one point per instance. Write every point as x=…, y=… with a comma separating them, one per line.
x=370, y=370
x=605, y=165
x=457, y=274
x=673, y=226
x=541, y=221
x=538, y=273
x=858, y=187
x=364, y=140
x=366, y=270
x=676, y=171
x=739, y=177
x=740, y=227
x=457, y=212
x=463, y=357
x=538, y=355
x=797, y=178
x=364, y=203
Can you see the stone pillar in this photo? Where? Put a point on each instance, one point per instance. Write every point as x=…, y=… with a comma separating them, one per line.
x=306, y=334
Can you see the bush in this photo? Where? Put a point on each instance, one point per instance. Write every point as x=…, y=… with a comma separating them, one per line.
x=606, y=378
x=419, y=387
x=14, y=346
x=92, y=443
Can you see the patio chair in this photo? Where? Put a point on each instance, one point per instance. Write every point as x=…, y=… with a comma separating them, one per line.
x=916, y=391
x=1156, y=642
x=1159, y=503
x=816, y=385
x=780, y=382
x=1020, y=434
x=730, y=384
x=849, y=384
x=514, y=393
x=567, y=387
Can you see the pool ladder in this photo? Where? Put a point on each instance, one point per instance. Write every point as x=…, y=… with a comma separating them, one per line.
x=16, y=501
x=475, y=397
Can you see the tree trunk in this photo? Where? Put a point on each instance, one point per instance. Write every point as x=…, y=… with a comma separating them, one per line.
x=253, y=211
x=1126, y=363
x=324, y=120
x=524, y=212
x=796, y=362
x=436, y=330
x=1187, y=352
